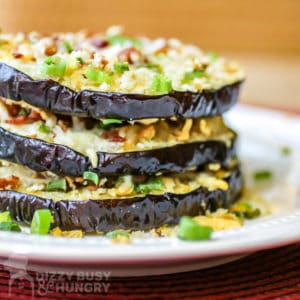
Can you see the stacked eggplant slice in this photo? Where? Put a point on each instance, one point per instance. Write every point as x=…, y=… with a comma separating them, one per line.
x=113, y=132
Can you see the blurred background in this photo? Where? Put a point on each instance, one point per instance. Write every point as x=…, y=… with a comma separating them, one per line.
x=263, y=35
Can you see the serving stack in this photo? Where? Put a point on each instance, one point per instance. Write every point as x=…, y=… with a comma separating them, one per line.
x=113, y=132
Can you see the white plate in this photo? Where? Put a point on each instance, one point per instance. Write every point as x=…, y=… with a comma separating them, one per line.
x=262, y=134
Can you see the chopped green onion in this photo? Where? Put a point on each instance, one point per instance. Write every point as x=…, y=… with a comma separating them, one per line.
x=98, y=76
x=41, y=221
x=23, y=112
x=161, y=84
x=67, y=46
x=57, y=184
x=106, y=122
x=9, y=226
x=245, y=210
x=53, y=66
x=190, y=230
x=43, y=128
x=154, y=67
x=262, y=175
x=123, y=40
x=117, y=233
x=5, y=217
x=80, y=60
x=91, y=176
x=188, y=76
x=122, y=67
x=286, y=150
x=153, y=184
x=212, y=56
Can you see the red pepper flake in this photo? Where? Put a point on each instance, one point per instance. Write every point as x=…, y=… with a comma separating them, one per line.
x=17, y=55
x=113, y=136
x=50, y=50
x=10, y=182
x=100, y=43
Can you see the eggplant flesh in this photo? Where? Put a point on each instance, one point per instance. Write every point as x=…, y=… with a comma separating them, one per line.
x=56, y=98
x=43, y=156
x=134, y=213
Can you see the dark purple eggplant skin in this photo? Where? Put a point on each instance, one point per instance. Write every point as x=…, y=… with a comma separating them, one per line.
x=52, y=96
x=139, y=213
x=42, y=156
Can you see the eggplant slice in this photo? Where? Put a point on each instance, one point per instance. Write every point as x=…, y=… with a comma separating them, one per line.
x=42, y=156
x=136, y=213
x=51, y=96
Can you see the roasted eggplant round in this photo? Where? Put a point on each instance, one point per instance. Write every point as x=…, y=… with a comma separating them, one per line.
x=52, y=96
x=41, y=156
x=134, y=213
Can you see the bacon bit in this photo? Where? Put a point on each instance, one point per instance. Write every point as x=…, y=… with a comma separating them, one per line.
x=130, y=55
x=11, y=182
x=78, y=179
x=17, y=55
x=113, y=136
x=100, y=43
x=13, y=109
x=92, y=55
x=63, y=126
x=92, y=187
x=34, y=116
x=104, y=62
x=50, y=50
x=18, y=120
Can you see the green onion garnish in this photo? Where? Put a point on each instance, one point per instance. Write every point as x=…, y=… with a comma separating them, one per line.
x=154, y=67
x=5, y=217
x=67, y=46
x=80, y=60
x=23, y=112
x=212, y=56
x=98, y=76
x=53, y=66
x=188, y=76
x=161, y=84
x=9, y=226
x=190, y=230
x=286, y=150
x=43, y=128
x=123, y=40
x=152, y=184
x=41, y=221
x=106, y=122
x=117, y=233
x=245, y=210
x=122, y=67
x=262, y=175
x=58, y=184
x=91, y=176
